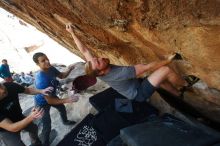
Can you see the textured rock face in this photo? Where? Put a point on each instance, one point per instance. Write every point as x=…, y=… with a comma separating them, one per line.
x=140, y=31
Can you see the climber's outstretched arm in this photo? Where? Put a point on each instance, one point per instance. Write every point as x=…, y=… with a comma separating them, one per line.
x=82, y=48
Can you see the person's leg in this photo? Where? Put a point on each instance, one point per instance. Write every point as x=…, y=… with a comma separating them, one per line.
x=145, y=91
x=169, y=87
x=11, y=138
x=33, y=133
x=46, y=121
x=175, y=79
x=62, y=110
x=166, y=78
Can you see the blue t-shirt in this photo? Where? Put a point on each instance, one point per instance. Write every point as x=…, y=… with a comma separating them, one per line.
x=44, y=80
x=122, y=79
x=5, y=71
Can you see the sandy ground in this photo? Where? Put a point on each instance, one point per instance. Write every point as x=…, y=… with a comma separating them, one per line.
x=76, y=111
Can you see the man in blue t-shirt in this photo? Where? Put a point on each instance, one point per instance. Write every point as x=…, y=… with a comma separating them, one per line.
x=5, y=71
x=46, y=77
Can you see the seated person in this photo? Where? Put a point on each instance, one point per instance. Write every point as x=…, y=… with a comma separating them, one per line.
x=16, y=78
x=26, y=80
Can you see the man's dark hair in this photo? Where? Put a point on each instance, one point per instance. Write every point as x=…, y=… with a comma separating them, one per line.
x=36, y=56
x=4, y=60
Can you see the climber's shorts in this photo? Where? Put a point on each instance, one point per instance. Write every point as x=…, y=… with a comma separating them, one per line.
x=145, y=91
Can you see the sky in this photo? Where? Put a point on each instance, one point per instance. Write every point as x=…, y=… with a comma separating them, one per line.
x=14, y=37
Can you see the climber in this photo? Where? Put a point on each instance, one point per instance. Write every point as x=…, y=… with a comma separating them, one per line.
x=124, y=78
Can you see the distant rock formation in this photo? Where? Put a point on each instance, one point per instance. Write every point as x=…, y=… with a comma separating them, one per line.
x=130, y=32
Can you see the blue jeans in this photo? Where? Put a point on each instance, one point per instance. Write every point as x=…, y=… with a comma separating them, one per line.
x=46, y=121
x=14, y=138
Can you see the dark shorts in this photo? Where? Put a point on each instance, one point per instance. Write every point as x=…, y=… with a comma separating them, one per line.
x=145, y=91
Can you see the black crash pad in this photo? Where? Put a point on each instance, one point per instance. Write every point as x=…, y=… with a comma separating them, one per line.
x=167, y=131
x=106, y=100
x=84, y=134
